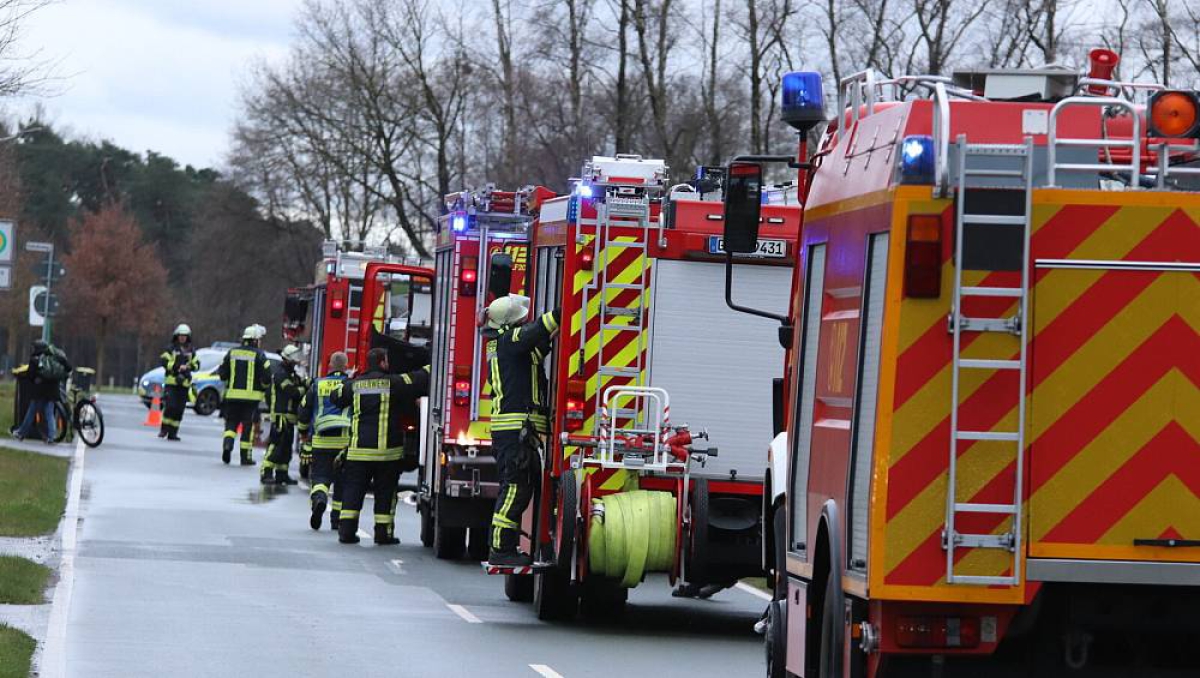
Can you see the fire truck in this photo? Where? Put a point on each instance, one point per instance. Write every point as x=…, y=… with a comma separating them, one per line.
x=993, y=406
x=482, y=250
x=651, y=465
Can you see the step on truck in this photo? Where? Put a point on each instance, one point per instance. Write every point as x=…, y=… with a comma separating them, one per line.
x=482, y=251
x=993, y=426
x=653, y=464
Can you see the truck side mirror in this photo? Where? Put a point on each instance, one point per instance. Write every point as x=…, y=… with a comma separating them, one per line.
x=743, y=201
x=500, y=275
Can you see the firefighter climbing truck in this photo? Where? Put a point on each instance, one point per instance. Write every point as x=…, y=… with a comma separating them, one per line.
x=482, y=249
x=647, y=365
x=994, y=376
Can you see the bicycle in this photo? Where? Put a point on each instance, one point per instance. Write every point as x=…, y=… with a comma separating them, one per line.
x=80, y=402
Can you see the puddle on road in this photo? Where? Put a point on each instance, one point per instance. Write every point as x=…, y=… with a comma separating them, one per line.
x=266, y=493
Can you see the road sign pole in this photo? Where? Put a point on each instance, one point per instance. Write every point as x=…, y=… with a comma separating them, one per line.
x=49, y=288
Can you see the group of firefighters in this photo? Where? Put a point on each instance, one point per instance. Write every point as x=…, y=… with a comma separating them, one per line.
x=351, y=438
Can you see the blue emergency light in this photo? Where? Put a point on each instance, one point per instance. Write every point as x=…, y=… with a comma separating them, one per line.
x=584, y=190
x=458, y=223
x=802, y=100
x=917, y=157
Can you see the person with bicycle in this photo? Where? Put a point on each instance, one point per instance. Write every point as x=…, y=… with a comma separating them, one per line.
x=48, y=369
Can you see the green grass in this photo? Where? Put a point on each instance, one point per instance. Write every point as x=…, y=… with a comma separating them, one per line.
x=758, y=583
x=22, y=582
x=33, y=492
x=16, y=653
x=8, y=391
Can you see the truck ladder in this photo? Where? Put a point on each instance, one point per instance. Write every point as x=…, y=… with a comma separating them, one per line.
x=1016, y=176
x=618, y=212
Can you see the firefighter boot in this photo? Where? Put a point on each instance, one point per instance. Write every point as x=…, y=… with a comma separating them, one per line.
x=509, y=559
x=348, y=532
x=384, y=536
x=162, y=432
x=334, y=519
x=282, y=477
x=318, y=502
x=227, y=450
x=267, y=477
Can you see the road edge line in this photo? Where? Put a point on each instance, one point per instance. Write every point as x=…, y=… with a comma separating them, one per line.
x=464, y=613
x=53, y=660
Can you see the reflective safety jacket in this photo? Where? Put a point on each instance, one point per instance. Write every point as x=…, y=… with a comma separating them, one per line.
x=179, y=362
x=287, y=388
x=375, y=402
x=329, y=423
x=246, y=373
x=515, y=356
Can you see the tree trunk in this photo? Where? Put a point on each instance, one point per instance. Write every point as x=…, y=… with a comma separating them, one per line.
x=756, y=136
x=101, y=347
x=621, y=129
x=508, y=85
x=710, y=99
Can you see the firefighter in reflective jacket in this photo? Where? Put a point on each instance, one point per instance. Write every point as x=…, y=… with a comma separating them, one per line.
x=515, y=353
x=179, y=361
x=374, y=401
x=327, y=428
x=246, y=373
x=287, y=388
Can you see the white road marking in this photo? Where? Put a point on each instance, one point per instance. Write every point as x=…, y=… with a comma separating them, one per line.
x=464, y=613
x=397, y=566
x=363, y=534
x=53, y=662
x=545, y=671
x=757, y=593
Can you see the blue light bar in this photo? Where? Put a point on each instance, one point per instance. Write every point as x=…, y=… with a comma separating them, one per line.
x=917, y=157
x=802, y=100
x=584, y=190
x=459, y=223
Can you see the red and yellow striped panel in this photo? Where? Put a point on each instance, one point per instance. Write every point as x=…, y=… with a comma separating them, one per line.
x=1114, y=366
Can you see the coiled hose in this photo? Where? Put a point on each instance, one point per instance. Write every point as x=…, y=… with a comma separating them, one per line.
x=632, y=533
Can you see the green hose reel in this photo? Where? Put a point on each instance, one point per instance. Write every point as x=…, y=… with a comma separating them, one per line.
x=632, y=533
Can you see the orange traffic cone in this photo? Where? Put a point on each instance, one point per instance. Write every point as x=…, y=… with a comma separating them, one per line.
x=154, y=416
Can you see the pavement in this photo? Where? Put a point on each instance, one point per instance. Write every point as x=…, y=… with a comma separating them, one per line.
x=187, y=567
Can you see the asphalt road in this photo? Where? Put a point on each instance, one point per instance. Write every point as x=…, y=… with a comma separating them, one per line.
x=187, y=567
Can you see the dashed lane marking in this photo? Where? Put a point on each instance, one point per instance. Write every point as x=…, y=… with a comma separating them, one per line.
x=757, y=593
x=545, y=671
x=464, y=613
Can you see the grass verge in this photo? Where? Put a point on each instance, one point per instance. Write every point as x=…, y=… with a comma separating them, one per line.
x=8, y=391
x=16, y=653
x=22, y=582
x=33, y=492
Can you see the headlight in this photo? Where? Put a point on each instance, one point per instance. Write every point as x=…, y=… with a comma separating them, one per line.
x=145, y=383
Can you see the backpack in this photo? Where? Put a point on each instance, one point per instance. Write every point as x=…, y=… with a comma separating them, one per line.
x=50, y=367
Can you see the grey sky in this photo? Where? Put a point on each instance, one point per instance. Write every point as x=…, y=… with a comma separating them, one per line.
x=156, y=75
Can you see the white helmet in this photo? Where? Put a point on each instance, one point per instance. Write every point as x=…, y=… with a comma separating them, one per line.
x=259, y=330
x=251, y=332
x=182, y=329
x=507, y=310
x=291, y=353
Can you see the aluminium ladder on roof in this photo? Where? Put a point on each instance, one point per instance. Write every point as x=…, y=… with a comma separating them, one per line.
x=1011, y=540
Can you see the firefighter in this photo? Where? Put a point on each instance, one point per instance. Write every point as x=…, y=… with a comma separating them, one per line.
x=246, y=374
x=374, y=402
x=515, y=352
x=287, y=388
x=179, y=361
x=326, y=428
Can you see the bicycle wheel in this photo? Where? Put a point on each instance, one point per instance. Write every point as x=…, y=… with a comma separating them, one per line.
x=89, y=422
x=61, y=422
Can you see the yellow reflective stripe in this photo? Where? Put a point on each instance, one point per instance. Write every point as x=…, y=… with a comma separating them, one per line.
x=385, y=407
x=548, y=322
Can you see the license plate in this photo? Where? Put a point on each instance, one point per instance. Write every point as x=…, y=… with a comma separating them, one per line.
x=770, y=249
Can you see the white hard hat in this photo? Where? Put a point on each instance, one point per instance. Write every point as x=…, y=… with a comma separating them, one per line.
x=260, y=331
x=291, y=353
x=507, y=310
x=182, y=329
x=251, y=332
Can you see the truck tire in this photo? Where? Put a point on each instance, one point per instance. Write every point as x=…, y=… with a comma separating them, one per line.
x=477, y=543
x=568, y=522
x=697, y=567
x=779, y=525
x=426, y=514
x=776, y=640
x=448, y=542
x=518, y=588
x=832, y=629
x=554, y=598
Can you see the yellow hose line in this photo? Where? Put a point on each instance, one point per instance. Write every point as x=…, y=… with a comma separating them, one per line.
x=632, y=533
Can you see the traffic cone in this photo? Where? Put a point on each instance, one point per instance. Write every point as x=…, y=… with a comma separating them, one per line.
x=154, y=416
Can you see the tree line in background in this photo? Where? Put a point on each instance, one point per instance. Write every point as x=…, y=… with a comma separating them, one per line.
x=146, y=244
x=383, y=107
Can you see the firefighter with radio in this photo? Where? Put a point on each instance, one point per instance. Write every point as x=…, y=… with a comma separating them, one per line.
x=287, y=389
x=515, y=352
x=375, y=401
x=247, y=375
x=326, y=428
x=179, y=361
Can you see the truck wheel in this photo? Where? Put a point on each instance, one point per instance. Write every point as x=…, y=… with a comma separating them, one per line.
x=553, y=596
x=426, y=525
x=448, y=542
x=832, y=629
x=779, y=525
x=601, y=599
x=477, y=543
x=518, y=588
x=776, y=640
x=697, y=567
x=568, y=514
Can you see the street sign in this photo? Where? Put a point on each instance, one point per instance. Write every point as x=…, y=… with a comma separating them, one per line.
x=5, y=277
x=36, y=319
x=7, y=244
x=39, y=246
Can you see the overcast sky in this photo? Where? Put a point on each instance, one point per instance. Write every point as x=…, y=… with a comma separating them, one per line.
x=156, y=75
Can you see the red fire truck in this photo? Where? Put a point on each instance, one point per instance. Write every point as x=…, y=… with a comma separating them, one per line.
x=647, y=360
x=994, y=377
x=458, y=482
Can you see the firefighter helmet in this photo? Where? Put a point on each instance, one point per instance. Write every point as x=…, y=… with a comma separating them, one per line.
x=507, y=310
x=291, y=353
x=182, y=330
x=251, y=333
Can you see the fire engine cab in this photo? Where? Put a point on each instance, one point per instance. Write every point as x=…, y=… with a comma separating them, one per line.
x=994, y=377
x=652, y=464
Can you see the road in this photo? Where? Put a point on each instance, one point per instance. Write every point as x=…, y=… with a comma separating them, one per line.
x=187, y=567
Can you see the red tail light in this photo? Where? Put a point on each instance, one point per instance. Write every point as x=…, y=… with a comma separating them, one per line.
x=575, y=404
x=462, y=392
x=468, y=276
x=337, y=306
x=587, y=260
x=923, y=257
x=937, y=632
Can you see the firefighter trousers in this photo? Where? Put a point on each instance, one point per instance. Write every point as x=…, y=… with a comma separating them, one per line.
x=279, y=445
x=517, y=462
x=324, y=475
x=242, y=413
x=356, y=477
x=173, y=407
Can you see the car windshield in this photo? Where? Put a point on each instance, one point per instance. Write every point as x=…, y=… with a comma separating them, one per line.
x=210, y=360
